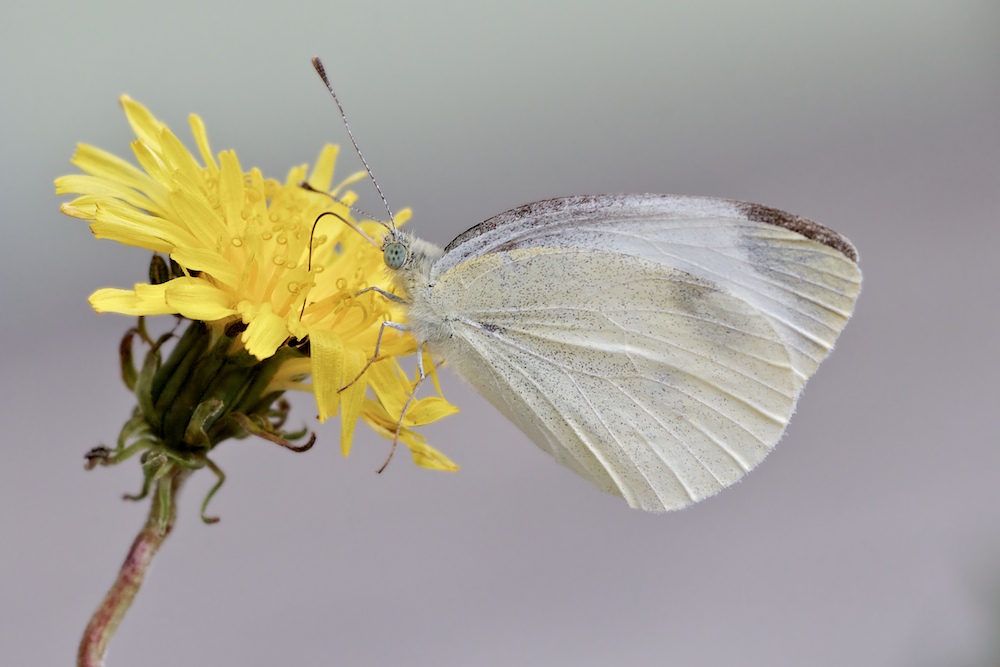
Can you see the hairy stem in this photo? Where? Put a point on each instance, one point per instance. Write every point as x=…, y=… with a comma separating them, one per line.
x=159, y=523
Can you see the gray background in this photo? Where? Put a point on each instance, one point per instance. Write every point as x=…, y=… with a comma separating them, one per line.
x=869, y=537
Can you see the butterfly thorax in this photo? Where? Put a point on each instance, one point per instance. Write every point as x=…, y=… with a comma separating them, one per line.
x=413, y=282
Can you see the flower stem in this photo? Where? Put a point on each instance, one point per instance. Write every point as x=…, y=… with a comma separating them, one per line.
x=159, y=523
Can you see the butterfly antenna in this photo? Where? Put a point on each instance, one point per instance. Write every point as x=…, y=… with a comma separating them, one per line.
x=318, y=64
x=312, y=233
x=360, y=211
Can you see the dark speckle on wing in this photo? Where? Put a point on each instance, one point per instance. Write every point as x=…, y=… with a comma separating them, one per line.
x=532, y=211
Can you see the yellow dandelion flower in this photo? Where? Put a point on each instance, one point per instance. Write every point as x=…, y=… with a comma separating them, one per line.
x=248, y=257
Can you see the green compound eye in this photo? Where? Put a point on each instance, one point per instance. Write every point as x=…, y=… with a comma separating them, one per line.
x=394, y=255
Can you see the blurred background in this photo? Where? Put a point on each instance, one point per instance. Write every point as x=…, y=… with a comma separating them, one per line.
x=871, y=536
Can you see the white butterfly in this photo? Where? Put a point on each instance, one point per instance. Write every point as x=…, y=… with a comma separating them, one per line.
x=653, y=344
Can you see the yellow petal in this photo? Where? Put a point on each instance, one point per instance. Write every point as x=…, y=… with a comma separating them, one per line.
x=431, y=369
x=427, y=410
x=98, y=187
x=110, y=167
x=177, y=156
x=291, y=376
x=150, y=160
x=322, y=173
x=198, y=299
x=426, y=456
x=145, y=300
x=203, y=223
x=326, y=348
x=207, y=261
x=295, y=176
x=231, y=190
x=201, y=138
x=265, y=332
x=352, y=398
x=146, y=127
x=120, y=222
x=353, y=178
x=403, y=216
x=389, y=385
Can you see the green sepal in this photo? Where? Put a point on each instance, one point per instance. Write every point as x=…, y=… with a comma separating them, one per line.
x=147, y=481
x=211, y=492
x=251, y=400
x=129, y=373
x=180, y=411
x=134, y=428
x=159, y=272
x=264, y=403
x=175, y=269
x=262, y=429
x=174, y=371
x=196, y=434
x=295, y=435
x=102, y=456
x=236, y=378
x=144, y=387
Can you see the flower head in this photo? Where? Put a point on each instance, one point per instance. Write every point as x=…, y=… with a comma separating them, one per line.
x=248, y=255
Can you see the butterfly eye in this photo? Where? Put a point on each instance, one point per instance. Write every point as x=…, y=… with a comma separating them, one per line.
x=394, y=255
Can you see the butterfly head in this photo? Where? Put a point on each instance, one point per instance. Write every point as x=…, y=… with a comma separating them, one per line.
x=409, y=260
x=395, y=250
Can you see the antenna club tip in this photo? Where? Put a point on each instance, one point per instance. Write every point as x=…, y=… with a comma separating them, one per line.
x=322, y=74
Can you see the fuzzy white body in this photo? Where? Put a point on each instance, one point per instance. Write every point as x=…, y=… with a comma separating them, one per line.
x=655, y=345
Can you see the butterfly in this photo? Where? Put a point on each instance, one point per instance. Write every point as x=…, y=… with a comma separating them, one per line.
x=655, y=345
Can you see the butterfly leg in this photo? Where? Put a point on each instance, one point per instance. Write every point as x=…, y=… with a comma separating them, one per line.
x=406, y=406
x=378, y=344
x=395, y=298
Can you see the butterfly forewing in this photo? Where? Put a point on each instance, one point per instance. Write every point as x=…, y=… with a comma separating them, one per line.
x=801, y=275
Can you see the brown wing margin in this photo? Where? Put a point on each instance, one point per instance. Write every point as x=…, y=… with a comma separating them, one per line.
x=753, y=212
x=799, y=225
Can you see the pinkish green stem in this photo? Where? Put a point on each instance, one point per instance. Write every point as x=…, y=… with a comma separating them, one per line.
x=159, y=523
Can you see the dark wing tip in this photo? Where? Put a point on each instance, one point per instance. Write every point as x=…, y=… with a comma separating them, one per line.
x=808, y=228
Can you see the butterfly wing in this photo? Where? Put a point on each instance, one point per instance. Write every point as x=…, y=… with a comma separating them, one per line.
x=655, y=345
